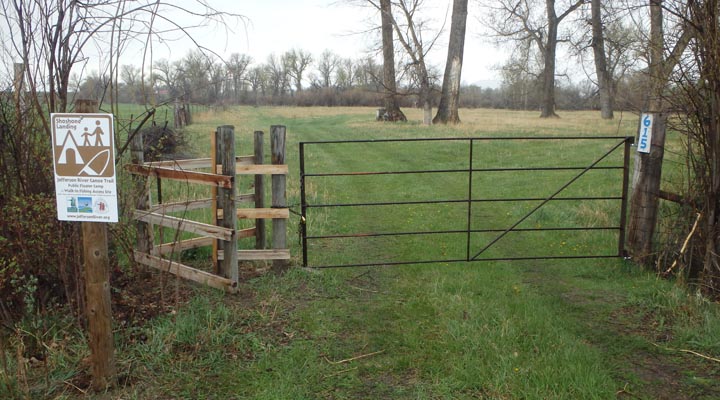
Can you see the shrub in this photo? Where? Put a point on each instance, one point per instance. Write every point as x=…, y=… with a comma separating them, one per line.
x=39, y=260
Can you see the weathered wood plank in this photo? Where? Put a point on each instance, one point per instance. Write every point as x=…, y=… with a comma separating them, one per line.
x=246, y=233
x=270, y=254
x=262, y=170
x=201, y=178
x=182, y=245
x=184, y=225
x=196, y=163
x=186, y=272
x=244, y=160
x=259, y=213
x=192, y=163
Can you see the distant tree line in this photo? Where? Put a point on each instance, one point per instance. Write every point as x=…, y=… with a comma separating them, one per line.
x=298, y=78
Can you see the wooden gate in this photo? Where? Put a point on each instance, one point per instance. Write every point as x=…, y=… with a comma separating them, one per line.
x=222, y=234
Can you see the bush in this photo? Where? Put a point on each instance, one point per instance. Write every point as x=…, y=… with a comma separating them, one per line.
x=39, y=259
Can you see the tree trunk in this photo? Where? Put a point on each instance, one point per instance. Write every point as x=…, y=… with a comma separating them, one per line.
x=392, y=108
x=547, y=107
x=648, y=166
x=603, y=76
x=450, y=98
x=427, y=106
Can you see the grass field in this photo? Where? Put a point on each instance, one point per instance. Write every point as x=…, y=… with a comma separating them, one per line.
x=539, y=329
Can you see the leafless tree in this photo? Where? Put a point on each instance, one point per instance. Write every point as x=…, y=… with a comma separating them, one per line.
x=277, y=75
x=519, y=21
x=326, y=67
x=237, y=66
x=296, y=62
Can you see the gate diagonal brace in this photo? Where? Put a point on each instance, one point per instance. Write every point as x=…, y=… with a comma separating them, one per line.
x=547, y=200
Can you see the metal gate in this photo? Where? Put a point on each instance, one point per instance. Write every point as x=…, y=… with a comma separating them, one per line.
x=494, y=172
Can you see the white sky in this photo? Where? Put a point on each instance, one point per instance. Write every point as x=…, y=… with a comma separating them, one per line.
x=275, y=26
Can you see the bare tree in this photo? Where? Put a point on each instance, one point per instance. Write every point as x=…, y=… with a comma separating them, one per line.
x=409, y=28
x=614, y=44
x=450, y=98
x=327, y=65
x=296, y=63
x=257, y=78
x=237, y=66
x=697, y=102
x=277, y=75
x=521, y=20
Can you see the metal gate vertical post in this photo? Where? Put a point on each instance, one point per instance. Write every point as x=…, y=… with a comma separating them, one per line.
x=623, y=203
x=303, y=205
x=469, y=199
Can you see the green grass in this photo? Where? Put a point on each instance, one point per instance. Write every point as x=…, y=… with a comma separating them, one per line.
x=562, y=329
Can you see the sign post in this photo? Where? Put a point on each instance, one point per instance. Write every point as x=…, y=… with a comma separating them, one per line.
x=84, y=161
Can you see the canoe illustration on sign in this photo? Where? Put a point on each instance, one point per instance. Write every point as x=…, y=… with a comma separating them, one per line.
x=97, y=165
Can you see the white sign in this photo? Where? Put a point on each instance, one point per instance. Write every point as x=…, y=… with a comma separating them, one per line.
x=645, y=134
x=84, y=163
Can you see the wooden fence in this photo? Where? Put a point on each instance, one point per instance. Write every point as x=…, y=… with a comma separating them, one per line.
x=223, y=234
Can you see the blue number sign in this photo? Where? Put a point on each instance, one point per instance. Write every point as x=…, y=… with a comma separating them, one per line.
x=645, y=134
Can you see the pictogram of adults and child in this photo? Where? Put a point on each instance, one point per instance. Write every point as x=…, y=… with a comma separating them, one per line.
x=86, y=152
x=98, y=132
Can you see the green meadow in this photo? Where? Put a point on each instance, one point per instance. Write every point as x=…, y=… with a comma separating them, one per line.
x=598, y=328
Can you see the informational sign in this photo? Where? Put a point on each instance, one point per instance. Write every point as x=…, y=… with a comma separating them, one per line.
x=645, y=134
x=84, y=162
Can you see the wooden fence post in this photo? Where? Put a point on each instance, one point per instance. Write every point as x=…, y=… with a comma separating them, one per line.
x=227, y=211
x=279, y=196
x=97, y=291
x=144, y=242
x=259, y=191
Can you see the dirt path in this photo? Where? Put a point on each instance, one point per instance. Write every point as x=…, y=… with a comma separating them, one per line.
x=636, y=340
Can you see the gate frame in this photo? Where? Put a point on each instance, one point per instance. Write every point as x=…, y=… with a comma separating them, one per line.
x=627, y=141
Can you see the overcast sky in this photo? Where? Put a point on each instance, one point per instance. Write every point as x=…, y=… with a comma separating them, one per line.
x=275, y=26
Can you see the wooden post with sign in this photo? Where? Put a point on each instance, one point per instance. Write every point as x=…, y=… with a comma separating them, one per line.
x=97, y=291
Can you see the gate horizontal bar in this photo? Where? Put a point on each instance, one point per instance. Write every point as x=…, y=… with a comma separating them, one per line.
x=467, y=139
x=390, y=264
x=464, y=201
x=441, y=171
x=453, y=232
